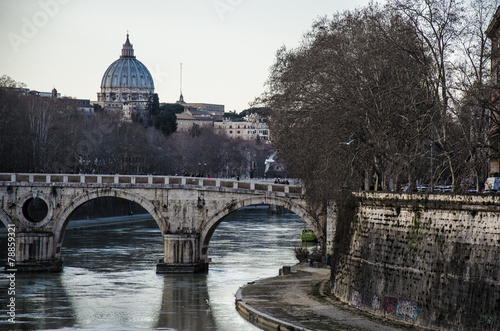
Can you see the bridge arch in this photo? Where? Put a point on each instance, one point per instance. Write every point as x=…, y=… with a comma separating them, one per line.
x=210, y=225
x=63, y=218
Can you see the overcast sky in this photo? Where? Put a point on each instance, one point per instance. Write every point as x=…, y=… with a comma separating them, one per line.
x=225, y=46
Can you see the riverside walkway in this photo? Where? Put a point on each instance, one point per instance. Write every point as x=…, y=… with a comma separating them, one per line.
x=298, y=302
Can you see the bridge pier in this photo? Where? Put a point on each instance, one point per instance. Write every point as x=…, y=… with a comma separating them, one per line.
x=35, y=253
x=181, y=255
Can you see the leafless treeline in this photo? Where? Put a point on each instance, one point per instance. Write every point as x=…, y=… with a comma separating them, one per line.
x=382, y=96
x=38, y=134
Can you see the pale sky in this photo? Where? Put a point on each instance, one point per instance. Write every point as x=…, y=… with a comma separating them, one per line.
x=225, y=46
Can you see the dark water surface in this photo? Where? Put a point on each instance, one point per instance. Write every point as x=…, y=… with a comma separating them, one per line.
x=109, y=280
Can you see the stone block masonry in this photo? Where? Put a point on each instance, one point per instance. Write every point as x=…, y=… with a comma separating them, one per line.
x=430, y=260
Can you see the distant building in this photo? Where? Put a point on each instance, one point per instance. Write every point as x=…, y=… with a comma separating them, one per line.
x=201, y=114
x=53, y=94
x=206, y=107
x=252, y=127
x=493, y=32
x=83, y=105
x=211, y=108
x=127, y=84
x=188, y=118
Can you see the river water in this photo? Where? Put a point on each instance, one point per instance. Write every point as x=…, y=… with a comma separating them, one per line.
x=109, y=280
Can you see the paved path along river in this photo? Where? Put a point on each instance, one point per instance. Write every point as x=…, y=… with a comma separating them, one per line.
x=300, y=300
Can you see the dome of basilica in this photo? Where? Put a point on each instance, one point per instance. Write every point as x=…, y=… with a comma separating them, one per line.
x=127, y=83
x=127, y=72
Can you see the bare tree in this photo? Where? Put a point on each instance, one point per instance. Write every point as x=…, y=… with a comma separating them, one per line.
x=474, y=109
x=41, y=121
x=439, y=24
x=349, y=106
x=14, y=143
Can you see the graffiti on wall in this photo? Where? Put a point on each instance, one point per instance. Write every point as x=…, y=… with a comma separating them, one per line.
x=360, y=300
x=488, y=322
x=400, y=307
x=356, y=299
x=389, y=305
x=375, y=302
x=406, y=309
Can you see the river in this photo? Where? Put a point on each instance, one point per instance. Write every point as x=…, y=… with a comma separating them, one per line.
x=109, y=280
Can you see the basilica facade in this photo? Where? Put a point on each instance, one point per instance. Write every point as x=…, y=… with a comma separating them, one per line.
x=127, y=85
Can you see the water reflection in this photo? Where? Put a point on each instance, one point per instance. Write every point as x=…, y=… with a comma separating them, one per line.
x=41, y=303
x=186, y=304
x=102, y=300
x=109, y=280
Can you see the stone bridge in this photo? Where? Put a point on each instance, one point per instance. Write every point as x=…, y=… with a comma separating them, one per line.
x=37, y=207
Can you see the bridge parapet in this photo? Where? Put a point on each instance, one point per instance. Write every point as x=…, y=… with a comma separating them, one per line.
x=40, y=179
x=186, y=209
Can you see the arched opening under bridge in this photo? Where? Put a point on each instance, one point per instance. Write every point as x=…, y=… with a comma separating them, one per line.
x=106, y=233
x=211, y=224
x=254, y=224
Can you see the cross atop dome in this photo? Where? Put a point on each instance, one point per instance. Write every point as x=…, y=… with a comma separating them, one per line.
x=127, y=50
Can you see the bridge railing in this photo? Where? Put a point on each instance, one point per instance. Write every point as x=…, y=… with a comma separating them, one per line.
x=68, y=179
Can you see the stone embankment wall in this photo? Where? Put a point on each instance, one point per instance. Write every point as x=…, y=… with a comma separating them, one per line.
x=430, y=260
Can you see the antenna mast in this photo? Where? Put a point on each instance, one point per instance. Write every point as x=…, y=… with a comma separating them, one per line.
x=181, y=78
